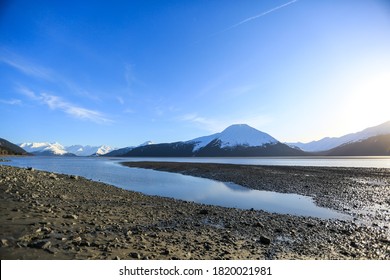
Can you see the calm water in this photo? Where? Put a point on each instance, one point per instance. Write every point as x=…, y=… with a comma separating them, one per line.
x=179, y=186
x=375, y=162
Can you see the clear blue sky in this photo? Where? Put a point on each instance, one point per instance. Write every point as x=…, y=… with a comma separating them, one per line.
x=123, y=72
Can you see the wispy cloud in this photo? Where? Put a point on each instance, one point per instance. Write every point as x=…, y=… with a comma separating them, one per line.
x=129, y=74
x=259, y=15
x=55, y=102
x=27, y=92
x=11, y=101
x=201, y=122
x=218, y=124
x=34, y=70
x=27, y=68
x=120, y=100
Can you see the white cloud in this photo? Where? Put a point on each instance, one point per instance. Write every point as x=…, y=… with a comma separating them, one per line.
x=11, y=102
x=36, y=71
x=27, y=92
x=120, y=100
x=56, y=102
x=201, y=122
x=27, y=68
x=218, y=124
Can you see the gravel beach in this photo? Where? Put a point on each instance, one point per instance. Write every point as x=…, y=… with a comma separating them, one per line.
x=52, y=216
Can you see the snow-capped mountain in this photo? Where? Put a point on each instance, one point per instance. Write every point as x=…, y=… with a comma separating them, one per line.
x=372, y=146
x=333, y=142
x=125, y=150
x=56, y=149
x=235, y=135
x=146, y=143
x=80, y=150
x=236, y=140
x=45, y=148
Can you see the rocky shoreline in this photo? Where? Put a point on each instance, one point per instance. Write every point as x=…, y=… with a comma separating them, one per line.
x=52, y=216
x=363, y=193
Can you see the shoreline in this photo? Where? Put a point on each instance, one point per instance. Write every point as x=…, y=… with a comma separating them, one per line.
x=345, y=189
x=53, y=216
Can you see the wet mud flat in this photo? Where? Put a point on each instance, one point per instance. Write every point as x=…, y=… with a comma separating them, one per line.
x=52, y=216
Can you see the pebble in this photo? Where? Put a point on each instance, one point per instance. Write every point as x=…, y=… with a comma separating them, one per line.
x=265, y=240
x=112, y=222
x=70, y=216
x=4, y=243
x=135, y=255
x=41, y=244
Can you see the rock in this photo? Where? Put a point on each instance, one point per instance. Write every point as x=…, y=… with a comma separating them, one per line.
x=41, y=244
x=258, y=224
x=45, y=229
x=4, y=243
x=165, y=252
x=386, y=241
x=204, y=212
x=70, y=216
x=76, y=239
x=354, y=244
x=135, y=255
x=74, y=177
x=52, y=250
x=344, y=252
x=85, y=243
x=265, y=240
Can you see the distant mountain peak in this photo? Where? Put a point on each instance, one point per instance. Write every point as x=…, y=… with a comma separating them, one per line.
x=328, y=143
x=238, y=126
x=245, y=135
x=146, y=143
x=235, y=135
x=46, y=148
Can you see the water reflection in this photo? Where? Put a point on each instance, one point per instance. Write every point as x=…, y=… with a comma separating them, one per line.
x=178, y=186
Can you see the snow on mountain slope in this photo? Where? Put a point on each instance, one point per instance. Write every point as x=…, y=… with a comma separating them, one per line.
x=146, y=143
x=44, y=147
x=125, y=150
x=201, y=142
x=102, y=150
x=80, y=150
x=332, y=142
x=59, y=150
x=235, y=135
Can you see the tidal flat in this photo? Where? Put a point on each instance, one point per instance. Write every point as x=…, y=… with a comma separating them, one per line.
x=53, y=216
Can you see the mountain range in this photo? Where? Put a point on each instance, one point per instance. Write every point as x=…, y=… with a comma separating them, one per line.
x=243, y=140
x=235, y=140
x=329, y=143
x=56, y=149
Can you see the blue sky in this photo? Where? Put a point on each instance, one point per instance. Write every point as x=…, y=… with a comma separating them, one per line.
x=124, y=72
